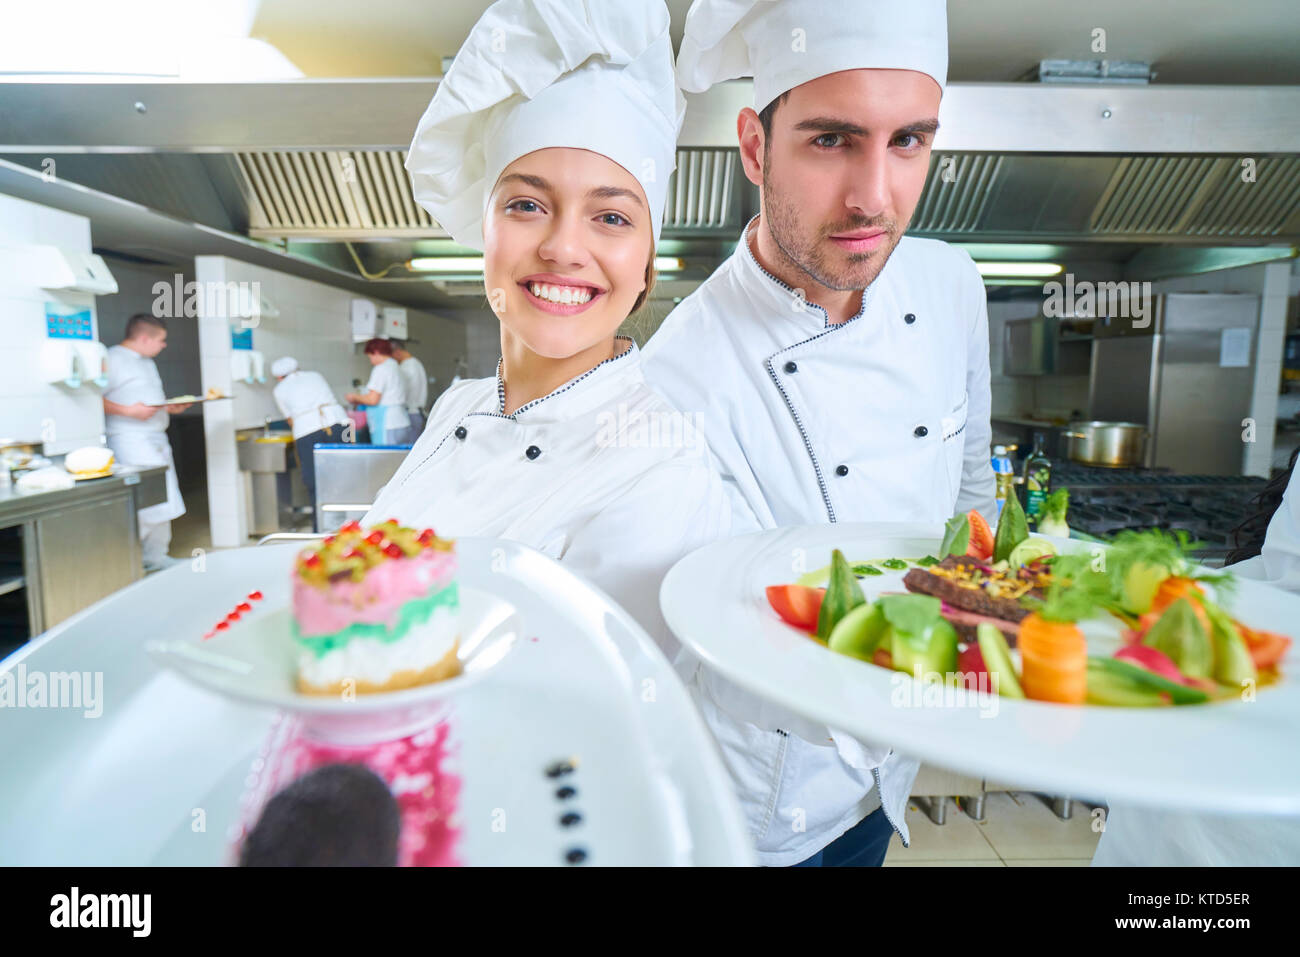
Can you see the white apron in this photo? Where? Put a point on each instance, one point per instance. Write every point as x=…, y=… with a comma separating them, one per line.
x=592, y=475
x=881, y=418
x=134, y=378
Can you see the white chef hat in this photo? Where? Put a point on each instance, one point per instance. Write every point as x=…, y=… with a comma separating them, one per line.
x=785, y=43
x=595, y=75
x=284, y=365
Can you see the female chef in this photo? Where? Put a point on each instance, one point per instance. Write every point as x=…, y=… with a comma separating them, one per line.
x=549, y=145
x=386, y=395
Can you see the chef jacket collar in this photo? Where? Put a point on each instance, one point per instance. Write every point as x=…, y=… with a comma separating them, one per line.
x=783, y=296
x=567, y=401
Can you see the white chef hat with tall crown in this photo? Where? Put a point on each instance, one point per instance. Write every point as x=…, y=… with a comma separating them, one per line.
x=534, y=74
x=786, y=43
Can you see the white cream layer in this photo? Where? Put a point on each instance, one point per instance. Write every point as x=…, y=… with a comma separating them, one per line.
x=375, y=661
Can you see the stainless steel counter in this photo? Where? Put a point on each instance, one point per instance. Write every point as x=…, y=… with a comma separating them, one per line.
x=68, y=548
x=348, y=477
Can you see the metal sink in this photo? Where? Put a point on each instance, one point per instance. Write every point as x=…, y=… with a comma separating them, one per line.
x=263, y=451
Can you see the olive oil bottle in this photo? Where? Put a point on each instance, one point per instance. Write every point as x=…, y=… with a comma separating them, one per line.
x=1038, y=479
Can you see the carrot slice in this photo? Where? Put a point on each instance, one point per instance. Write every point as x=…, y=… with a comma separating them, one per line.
x=1054, y=660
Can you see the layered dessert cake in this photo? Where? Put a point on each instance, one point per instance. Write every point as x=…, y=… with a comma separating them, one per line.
x=376, y=610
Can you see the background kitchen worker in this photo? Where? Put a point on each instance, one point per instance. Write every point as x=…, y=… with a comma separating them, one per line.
x=307, y=401
x=847, y=365
x=417, y=385
x=385, y=393
x=1149, y=837
x=135, y=421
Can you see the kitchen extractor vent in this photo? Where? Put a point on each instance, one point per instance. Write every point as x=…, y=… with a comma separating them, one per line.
x=1199, y=196
x=700, y=191
x=957, y=191
x=331, y=194
x=1246, y=202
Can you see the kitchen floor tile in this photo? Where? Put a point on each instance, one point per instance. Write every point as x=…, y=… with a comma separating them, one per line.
x=992, y=863
x=959, y=839
x=1051, y=862
x=1019, y=826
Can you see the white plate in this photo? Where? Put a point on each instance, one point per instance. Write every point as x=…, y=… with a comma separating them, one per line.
x=582, y=680
x=261, y=641
x=1226, y=757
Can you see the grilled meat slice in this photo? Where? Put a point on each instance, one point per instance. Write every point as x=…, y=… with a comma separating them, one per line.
x=964, y=594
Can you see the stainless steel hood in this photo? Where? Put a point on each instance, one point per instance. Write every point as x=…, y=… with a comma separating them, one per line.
x=1026, y=163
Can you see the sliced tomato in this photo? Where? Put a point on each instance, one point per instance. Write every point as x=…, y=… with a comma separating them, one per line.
x=797, y=605
x=1266, y=647
x=981, y=537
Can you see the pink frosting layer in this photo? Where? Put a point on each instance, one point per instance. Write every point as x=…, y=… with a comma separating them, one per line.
x=375, y=599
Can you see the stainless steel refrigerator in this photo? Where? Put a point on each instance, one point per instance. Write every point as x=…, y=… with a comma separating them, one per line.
x=1188, y=377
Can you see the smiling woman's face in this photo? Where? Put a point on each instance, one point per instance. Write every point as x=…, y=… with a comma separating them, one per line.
x=567, y=238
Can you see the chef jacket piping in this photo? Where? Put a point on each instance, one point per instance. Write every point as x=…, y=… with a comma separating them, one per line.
x=875, y=773
x=827, y=324
x=501, y=385
x=501, y=397
x=829, y=327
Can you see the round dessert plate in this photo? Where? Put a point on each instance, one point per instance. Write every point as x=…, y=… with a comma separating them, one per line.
x=254, y=661
x=1234, y=756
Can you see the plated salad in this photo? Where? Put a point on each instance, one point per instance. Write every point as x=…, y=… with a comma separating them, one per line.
x=1004, y=611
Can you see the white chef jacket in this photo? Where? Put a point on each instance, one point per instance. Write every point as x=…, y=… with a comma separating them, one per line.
x=386, y=379
x=306, y=398
x=1150, y=836
x=143, y=443
x=600, y=494
x=884, y=417
x=417, y=383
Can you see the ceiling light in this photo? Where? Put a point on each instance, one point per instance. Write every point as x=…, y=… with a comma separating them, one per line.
x=1019, y=269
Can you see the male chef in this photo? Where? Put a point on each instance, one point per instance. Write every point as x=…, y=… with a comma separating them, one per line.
x=417, y=385
x=135, y=421
x=840, y=370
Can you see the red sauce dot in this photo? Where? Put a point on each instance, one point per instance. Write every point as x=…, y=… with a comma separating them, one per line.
x=256, y=595
x=233, y=616
x=243, y=606
x=210, y=634
x=222, y=625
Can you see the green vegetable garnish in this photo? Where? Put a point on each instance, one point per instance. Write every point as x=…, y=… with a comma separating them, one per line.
x=1138, y=561
x=894, y=563
x=1181, y=636
x=864, y=569
x=1013, y=528
x=956, y=536
x=843, y=594
x=1076, y=590
x=927, y=561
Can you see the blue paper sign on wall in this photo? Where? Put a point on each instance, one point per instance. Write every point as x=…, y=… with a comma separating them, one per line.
x=241, y=338
x=61, y=324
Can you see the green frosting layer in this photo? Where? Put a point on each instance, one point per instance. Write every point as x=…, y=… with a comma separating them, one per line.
x=414, y=612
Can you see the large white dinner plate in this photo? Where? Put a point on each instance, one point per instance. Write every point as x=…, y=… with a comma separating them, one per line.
x=154, y=773
x=1228, y=757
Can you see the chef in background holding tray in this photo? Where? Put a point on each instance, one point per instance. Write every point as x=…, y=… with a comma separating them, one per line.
x=135, y=420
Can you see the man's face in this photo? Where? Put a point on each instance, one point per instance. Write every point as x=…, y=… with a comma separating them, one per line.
x=844, y=169
x=152, y=342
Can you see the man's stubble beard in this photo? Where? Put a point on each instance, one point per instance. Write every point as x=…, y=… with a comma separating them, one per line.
x=810, y=258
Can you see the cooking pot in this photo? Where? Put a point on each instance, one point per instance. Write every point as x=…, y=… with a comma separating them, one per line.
x=1109, y=444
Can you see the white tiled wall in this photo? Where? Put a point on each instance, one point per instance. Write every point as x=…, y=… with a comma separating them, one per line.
x=31, y=408
x=314, y=326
